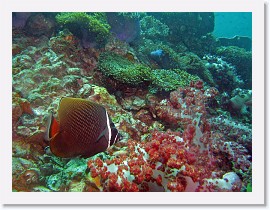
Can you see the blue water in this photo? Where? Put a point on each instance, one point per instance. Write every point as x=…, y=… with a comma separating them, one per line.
x=230, y=24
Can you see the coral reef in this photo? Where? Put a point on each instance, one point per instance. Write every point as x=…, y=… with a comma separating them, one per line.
x=190, y=29
x=166, y=162
x=241, y=59
x=123, y=70
x=170, y=79
x=182, y=106
x=224, y=74
x=152, y=28
x=91, y=27
x=239, y=104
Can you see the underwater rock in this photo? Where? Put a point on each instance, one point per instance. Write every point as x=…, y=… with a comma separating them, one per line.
x=41, y=189
x=224, y=75
x=144, y=116
x=16, y=49
x=234, y=138
x=19, y=19
x=55, y=182
x=39, y=24
x=26, y=181
x=238, y=41
x=64, y=43
x=193, y=64
x=121, y=48
x=124, y=26
x=153, y=28
x=241, y=59
x=66, y=174
x=189, y=29
x=239, y=104
x=20, y=108
x=101, y=96
x=21, y=62
x=133, y=103
x=77, y=186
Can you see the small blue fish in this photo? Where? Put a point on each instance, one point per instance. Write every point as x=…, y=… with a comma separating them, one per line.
x=157, y=53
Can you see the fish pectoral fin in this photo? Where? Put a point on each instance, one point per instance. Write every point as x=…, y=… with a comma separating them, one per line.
x=52, y=127
x=103, y=133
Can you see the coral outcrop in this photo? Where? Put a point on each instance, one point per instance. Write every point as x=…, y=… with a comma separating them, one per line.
x=89, y=28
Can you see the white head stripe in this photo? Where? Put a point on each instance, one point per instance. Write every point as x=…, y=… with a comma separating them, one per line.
x=109, y=128
x=49, y=122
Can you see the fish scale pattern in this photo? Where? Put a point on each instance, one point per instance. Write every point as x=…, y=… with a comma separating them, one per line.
x=83, y=121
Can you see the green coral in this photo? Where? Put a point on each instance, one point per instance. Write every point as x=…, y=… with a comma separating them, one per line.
x=95, y=23
x=193, y=64
x=122, y=69
x=171, y=57
x=168, y=80
x=125, y=71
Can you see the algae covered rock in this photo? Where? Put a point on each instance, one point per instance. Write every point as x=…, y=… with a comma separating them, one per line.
x=153, y=28
x=122, y=69
x=190, y=29
x=88, y=27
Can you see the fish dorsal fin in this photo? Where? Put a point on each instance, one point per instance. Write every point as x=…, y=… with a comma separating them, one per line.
x=52, y=127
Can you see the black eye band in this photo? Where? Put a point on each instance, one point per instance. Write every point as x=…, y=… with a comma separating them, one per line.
x=115, y=135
